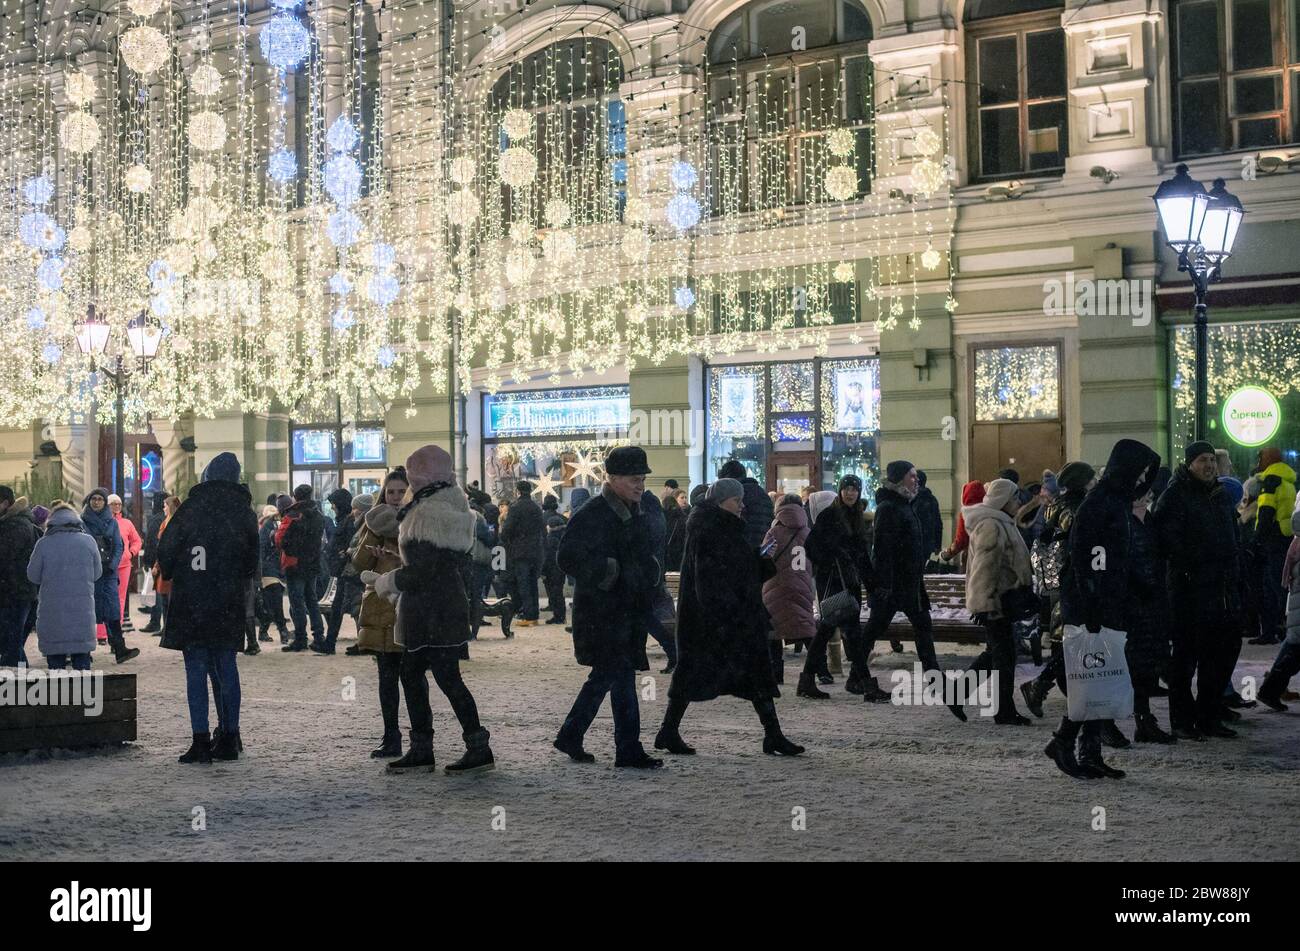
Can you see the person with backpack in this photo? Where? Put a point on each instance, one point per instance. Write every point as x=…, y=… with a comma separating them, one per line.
x=299, y=539
x=101, y=525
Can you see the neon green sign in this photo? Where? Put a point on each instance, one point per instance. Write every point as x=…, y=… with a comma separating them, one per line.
x=1251, y=416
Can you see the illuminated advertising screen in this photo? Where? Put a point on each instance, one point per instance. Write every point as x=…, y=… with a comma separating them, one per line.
x=556, y=412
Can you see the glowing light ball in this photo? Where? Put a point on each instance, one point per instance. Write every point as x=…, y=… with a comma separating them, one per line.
x=518, y=167
x=383, y=255
x=343, y=180
x=635, y=244
x=383, y=289
x=682, y=212
x=144, y=49
x=386, y=356
x=928, y=177
x=844, y=272
x=79, y=133
x=463, y=170
x=683, y=176
x=207, y=131
x=636, y=211
x=79, y=238
x=343, y=319
x=35, y=319
x=840, y=143
x=519, y=265
x=160, y=305
x=79, y=88
x=38, y=230
x=138, y=179
x=521, y=232
x=160, y=272
x=343, y=229
x=930, y=259
x=38, y=190
x=638, y=313
x=285, y=42
x=841, y=183
x=684, y=298
x=927, y=141
x=180, y=258
x=340, y=283
x=205, y=80
x=462, y=208
x=342, y=135
x=50, y=274
x=558, y=213
x=145, y=8
x=203, y=175
x=517, y=124
x=282, y=166
x=51, y=353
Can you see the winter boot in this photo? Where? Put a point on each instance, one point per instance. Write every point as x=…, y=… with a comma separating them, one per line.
x=130, y=653
x=284, y=635
x=574, y=751
x=1061, y=750
x=775, y=744
x=353, y=651
x=808, y=688
x=1090, y=760
x=856, y=682
x=639, y=759
x=1228, y=715
x=670, y=741
x=150, y=628
x=1112, y=736
x=262, y=634
x=299, y=643
x=1011, y=717
x=200, y=750
x=227, y=746
x=478, y=755
x=1187, y=731
x=1270, y=691
x=216, y=738
x=390, y=746
x=1148, y=731
x=872, y=693
x=1236, y=701
x=252, y=648
x=1034, y=696
x=419, y=756
x=1216, y=729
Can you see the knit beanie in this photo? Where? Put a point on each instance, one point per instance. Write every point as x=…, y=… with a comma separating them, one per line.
x=224, y=467
x=724, y=489
x=898, y=470
x=1075, y=476
x=283, y=503
x=1198, y=448
x=998, y=493
x=362, y=503
x=302, y=493
x=732, y=469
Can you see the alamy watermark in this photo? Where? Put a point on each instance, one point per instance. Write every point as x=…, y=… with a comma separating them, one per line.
x=1130, y=298
x=945, y=688
x=660, y=427
x=23, y=687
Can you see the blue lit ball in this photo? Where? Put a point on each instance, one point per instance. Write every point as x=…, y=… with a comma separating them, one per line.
x=342, y=135
x=386, y=356
x=50, y=274
x=285, y=42
x=343, y=319
x=38, y=190
x=682, y=212
x=684, y=297
x=36, y=319
x=51, y=353
x=383, y=289
x=683, y=176
x=343, y=229
x=339, y=284
x=39, y=230
x=160, y=273
x=282, y=166
x=284, y=4
x=384, y=255
x=343, y=180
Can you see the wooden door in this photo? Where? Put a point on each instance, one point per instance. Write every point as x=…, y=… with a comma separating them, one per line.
x=1028, y=447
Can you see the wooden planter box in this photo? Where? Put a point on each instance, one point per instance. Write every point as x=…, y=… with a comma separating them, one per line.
x=51, y=726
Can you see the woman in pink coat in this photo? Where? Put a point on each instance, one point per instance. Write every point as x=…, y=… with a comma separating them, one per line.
x=789, y=595
x=132, y=543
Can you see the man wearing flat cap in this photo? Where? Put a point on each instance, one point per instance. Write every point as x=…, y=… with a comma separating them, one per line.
x=609, y=552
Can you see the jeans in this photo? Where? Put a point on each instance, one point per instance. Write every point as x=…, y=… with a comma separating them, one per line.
x=444, y=662
x=200, y=664
x=524, y=580
x=882, y=612
x=620, y=683
x=303, y=603
x=343, y=594
x=13, y=631
x=68, y=661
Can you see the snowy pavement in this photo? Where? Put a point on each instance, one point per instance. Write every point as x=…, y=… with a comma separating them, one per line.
x=878, y=781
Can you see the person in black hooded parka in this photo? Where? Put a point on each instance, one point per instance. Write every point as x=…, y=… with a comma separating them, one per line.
x=209, y=553
x=759, y=510
x=931, y=519
x=1096, y=597
x=722, y=645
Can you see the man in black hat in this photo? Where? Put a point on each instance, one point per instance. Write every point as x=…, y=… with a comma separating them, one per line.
x=899, y=554
x=608, y=551
x=524, y=538
x=1196, y=524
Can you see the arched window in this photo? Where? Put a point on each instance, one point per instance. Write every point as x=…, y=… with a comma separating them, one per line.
x=580, y=131
x=782, y=75
x=1015, y=51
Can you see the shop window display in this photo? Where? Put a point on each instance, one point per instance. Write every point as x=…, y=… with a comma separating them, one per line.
x=1020, y=383
x=738, y=418
x=850, y=423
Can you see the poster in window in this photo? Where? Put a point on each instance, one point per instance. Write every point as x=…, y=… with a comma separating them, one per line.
x=736, y=409
x=855, y=399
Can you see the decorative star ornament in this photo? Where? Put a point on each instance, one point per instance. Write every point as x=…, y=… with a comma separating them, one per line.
x=545, y=486
x=585, y=467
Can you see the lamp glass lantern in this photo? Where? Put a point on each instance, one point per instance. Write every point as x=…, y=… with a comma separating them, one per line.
x=1222, y=220
x=144, y=336
x=1182, y=204
x=92, y=334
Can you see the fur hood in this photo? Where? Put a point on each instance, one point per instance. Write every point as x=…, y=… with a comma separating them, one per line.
x=975, y=514
x=443, y=519
x=382, y=520
x=818, y=502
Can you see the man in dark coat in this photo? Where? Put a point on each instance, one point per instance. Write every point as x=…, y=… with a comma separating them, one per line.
x=209, y=553
x=1094, y=589
x=722, y=625
x=18, y=535
x=657, y=524
x=337, y=562
x=102, y=526
x=149, y=555
x=898, y=563
x=552, y=576
x=608, y=552
x=926, y=507
x=759, y=510
x=523, y=536
x=839, y=545
x=299, y=540
x=1197, y=529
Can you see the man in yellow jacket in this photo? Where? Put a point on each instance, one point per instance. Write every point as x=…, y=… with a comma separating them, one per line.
x=1272, y=538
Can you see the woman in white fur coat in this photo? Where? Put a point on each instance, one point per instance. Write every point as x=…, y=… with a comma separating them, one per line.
x=435, y=534
x=997, y=562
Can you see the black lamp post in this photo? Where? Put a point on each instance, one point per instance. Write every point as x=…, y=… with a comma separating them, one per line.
x=93, y=334
x=1201, y=228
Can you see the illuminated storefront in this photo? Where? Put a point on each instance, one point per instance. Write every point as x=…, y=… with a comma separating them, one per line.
x=555, y=438
x=351, y=453
x=797, y=423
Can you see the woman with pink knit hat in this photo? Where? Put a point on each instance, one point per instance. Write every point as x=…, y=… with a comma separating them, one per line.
x=435, y=535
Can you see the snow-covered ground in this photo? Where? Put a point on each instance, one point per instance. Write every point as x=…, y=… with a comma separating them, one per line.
x=877, y=782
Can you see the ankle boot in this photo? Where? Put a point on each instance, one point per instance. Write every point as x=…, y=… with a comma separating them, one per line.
x=774, y=741
x=1112, y=737
x=1034, y=696
x=670, y=740
x=1090, y=757
x=227, y=747
x=808, y=688
x=389, y=746
x=872, y=693
x=478, y=755
x=200, y=750
x=1148, y=731
x=1061, y=750
x=1270, y=692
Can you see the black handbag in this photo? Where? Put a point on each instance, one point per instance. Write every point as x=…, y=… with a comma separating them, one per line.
x=841, y=607
x=1020, y=604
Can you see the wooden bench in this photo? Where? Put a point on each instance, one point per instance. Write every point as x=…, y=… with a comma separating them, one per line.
x=51, y=724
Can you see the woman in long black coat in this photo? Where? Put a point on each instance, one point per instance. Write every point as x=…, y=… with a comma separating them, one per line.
x=1147, y=645
x=209, y=553
x=721, y=630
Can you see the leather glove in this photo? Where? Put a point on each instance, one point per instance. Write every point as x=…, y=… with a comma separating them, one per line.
x=386, y=585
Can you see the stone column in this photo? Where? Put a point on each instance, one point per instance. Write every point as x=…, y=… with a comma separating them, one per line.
x=178, y=465
x=80, y=465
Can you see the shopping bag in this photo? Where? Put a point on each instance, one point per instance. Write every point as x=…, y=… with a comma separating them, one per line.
x=147, y=595
x=1096, y=674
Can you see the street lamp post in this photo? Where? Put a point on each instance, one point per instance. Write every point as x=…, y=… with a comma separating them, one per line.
x=143, y=335
x=1201, y=228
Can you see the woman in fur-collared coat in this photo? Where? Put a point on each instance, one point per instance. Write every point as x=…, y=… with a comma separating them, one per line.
x=435, y=536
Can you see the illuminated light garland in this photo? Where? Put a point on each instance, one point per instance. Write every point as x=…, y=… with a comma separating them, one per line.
x=79, y=87
x=144, y=49
x=207, y=131
x=842, y=183
x=137, y=179
x=205, y=80
x=285, y=42
x=518, y=167
x=343, y=180
x=282, y=166
x=79, y=133
x=342, y=135
x=39, y=190
x=517, y=124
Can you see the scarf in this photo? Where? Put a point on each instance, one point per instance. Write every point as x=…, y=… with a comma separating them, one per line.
x=420, y=496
